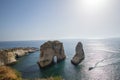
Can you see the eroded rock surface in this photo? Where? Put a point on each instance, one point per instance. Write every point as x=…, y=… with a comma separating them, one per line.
x=48, y=51
x=79, y=56
x=8, y=56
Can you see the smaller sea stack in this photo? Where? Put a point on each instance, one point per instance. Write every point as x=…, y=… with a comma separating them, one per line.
x=79, y=56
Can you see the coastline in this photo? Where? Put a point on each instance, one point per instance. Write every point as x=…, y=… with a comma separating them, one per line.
x=9, y=56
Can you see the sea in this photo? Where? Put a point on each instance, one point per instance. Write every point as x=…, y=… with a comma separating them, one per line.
x=103, y=55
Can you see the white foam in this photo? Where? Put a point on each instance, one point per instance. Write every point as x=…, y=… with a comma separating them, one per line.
x=108, y=62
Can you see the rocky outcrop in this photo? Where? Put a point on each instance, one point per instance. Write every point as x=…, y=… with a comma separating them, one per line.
x=48, y=51
x=79, y=56
x=8, y=56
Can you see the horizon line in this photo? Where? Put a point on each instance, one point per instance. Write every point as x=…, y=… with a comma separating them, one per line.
x=58, y=39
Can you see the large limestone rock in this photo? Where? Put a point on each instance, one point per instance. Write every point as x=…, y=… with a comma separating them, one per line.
x=48, y=51
x=7, y=57
x=79, y=56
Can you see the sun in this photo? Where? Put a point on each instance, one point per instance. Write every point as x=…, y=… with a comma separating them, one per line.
x=91, y=5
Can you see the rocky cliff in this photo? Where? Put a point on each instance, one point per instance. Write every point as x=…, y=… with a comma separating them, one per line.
x=79, y=56
x=48, y=51
x=8, y=56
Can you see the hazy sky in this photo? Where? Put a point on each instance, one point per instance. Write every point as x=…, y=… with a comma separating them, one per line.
x=59, y=19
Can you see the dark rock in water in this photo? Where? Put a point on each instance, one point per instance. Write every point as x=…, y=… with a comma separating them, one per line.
x=79, y=56
x=49, y=51
x=90, y=68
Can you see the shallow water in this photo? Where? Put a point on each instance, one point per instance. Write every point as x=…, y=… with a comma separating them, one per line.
x=104, y=52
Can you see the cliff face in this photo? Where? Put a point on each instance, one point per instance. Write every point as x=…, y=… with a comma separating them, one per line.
x=79, y=56
x=48, y=51
x=8, y=56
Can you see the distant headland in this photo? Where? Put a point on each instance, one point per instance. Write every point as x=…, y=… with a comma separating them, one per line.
x=9, y=56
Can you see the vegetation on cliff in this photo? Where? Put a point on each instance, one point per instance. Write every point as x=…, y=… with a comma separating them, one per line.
x=51, y=78
x=7, y=73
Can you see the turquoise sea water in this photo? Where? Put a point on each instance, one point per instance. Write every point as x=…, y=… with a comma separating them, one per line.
x=104, y=53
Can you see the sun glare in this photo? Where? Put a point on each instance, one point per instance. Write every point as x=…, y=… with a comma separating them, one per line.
x=94, y=3
x=91, y=5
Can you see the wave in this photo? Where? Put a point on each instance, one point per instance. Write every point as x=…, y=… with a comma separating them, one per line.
x=105, y=62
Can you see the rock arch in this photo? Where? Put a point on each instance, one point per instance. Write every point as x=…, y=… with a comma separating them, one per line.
x=55, y=59
x=47, y=52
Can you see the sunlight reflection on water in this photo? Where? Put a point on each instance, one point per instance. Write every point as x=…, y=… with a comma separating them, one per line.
x=101, y=56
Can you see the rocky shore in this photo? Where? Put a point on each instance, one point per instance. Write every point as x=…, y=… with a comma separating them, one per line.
x=9, y=56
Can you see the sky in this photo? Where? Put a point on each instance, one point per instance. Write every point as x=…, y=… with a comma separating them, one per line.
x=58, y=19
